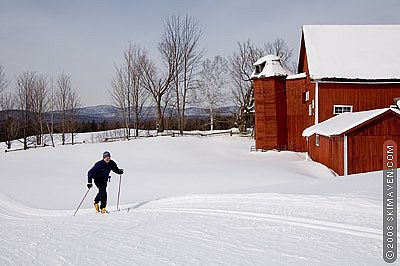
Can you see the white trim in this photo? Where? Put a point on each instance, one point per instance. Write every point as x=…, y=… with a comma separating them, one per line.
x=316, y=103
x=345, y=158
x=307, y=156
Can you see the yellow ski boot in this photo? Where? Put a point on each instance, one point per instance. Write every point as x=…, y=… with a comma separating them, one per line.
x=97, y=207
x=104, y=210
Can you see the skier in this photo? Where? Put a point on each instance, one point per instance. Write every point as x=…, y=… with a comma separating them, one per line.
x=100, y=174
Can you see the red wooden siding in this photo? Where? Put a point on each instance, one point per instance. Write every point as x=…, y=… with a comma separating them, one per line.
x=271, y=113
x=361, y=96
x=296, y=114
x=282, y=114
x=329, y=152
x=365, y=144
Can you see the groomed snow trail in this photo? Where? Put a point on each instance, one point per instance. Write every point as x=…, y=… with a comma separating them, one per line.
x=226, y=229
x=187, y=201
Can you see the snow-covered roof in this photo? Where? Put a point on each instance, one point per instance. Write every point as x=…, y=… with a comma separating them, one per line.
x=296, y=76
x=353, y=51
x=342, y=123
x=269, y=66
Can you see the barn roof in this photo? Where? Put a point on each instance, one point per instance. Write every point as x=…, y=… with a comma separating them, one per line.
x=366, y=52
x=342, y=123
x=269, y=66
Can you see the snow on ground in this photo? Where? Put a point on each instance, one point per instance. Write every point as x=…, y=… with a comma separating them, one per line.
x=54, y=178
x=187, y=201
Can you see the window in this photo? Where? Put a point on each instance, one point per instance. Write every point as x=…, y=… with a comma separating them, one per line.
x=339, y=109
x=310, y=110
x=306, y=96
x=316, y=140
x=259, y=68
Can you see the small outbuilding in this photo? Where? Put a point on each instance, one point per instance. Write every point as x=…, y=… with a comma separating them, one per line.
x=352, y=142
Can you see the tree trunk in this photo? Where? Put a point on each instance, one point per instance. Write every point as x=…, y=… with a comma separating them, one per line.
x=25, y=133
x=182, y=118
x=178, y=102
x=211, y=119
x=50, y=130
x=136, y=123
x=160, y=118
x=63, y=127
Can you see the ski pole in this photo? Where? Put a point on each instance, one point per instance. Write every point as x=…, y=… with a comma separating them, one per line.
x=119, y=191
x=82, y=201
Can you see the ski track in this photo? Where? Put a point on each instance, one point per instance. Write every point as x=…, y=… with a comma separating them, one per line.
x=309, y=223
x=137, y=235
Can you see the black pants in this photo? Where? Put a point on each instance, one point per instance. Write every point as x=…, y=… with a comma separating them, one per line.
x=102, y=195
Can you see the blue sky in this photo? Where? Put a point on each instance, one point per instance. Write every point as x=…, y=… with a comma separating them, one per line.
x=86, y=38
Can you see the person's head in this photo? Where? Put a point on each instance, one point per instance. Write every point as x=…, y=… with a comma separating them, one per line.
x=106, y=156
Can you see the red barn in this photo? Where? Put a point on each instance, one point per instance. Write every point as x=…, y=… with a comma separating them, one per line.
x=342, y=68
x=352, y=143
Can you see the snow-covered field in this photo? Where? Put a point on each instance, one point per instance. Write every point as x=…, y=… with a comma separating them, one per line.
x=187, y=201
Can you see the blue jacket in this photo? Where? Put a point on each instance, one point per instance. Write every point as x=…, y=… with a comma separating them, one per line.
x=101, y=170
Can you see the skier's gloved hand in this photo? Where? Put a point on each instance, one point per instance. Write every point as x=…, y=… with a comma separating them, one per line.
x=89, y=185
x=120, y=171
x=109, y=178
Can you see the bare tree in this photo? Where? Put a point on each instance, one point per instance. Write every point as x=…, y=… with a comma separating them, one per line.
x=157, y=82
x=139, y=94
x=127, y=90
x=180, y=43
x=73, y=104
x=51, y=108
x=8, y=102
x=40, y=104
x=12, y=122
x=67, y=102
x=63, y=87
x=25, y=86
x=279, y=48
x=210, y=92
x=119, y=94
x=241, y=67
x=3, y=85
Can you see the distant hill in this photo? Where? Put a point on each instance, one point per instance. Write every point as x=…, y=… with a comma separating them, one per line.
x=111, y=113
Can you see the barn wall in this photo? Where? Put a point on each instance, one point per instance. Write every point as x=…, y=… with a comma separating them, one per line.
x=271, y=113
x=365, y=144
x=362, y=96
x=297, y=108
x=329, y=152
x=281, y=112
x=296, y=114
